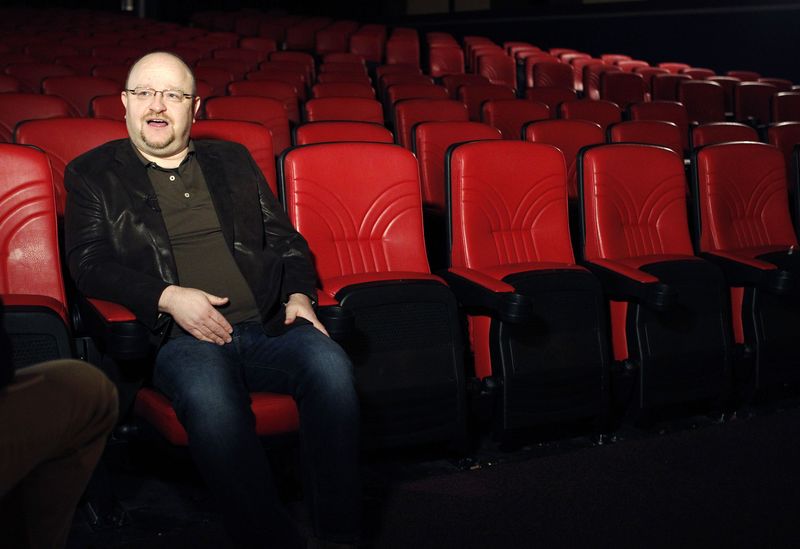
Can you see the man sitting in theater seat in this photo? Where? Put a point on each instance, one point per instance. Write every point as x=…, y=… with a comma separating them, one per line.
x=189, y=237
x=54, y=421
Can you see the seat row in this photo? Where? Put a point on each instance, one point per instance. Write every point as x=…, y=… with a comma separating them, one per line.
x=645, y=317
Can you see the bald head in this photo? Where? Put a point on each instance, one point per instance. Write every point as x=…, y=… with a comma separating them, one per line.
x=161, y=58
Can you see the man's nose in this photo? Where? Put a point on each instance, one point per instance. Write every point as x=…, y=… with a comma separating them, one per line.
x=157, y=103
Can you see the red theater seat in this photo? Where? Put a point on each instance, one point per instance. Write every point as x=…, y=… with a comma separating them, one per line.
x=18, y=107
x=704, y=101
x=473, y=96
x=359, y=207
x=281, y=91
x=722, y=132
x=536, y=319
x=355, y=109
x=336, y=131
x=744, y=226
x=510, y=115
x=622, y=88
x=78, y=91
x=552, y=97
x=751, y=102
x=410, y=112
x=270, y=113
x=600, y=111
x=651, y=132
x=667, y=111
x=668, y=308
x=785, y=107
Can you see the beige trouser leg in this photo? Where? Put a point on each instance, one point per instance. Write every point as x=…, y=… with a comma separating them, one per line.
x=54, y=421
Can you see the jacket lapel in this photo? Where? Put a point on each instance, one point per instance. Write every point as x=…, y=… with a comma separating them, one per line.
x=213, y=167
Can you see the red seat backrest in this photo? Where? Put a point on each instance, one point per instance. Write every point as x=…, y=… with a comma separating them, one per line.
x=498, y=69
x=283, y=92
x=591, y=79
x=668, y=111
x=664, y=87
x=63, y=139
x=743, y=198
x=785, y=107
x=78, y=91
x=270, y=113
x=358, y=205
x=398, y=92
x=430, y=144
x=452, y=82
x=31, y=75
x=473, y=96
x=343, y=89
x=508, y=204
x=29, y=259
x=634, y=200
x=622, y=88
x=704, y=100
x=552, y=97
x=569, y=136
x=599, y=111
x=255, y=137
x=553, y=75
x=652, y=132
x=356, y=109
x=16, y=107
x=722, y=132
x=752, y=100
x=509, y=115
x=445, y=59
x=413, y=111
x=107, y=106
x=335, y=131
x=785, y=136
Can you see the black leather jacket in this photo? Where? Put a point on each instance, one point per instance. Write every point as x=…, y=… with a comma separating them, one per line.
x=117, y=244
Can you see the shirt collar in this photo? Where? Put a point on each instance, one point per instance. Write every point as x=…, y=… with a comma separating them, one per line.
x=150, y=164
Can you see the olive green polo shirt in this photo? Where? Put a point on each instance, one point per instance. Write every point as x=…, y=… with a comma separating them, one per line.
x=202, y=257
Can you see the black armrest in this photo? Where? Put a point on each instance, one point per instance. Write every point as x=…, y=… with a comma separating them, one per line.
x=114, y=329
x=750, y=273
x=627, y=284
x=476, y=291
x=339, y=322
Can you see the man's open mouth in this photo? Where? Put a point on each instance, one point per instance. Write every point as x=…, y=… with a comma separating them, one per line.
x=157, y=123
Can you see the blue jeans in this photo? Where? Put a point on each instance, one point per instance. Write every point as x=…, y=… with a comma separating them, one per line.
x=209, y=386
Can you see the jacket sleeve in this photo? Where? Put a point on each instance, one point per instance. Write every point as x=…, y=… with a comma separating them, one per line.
x=299, y=275
x=91, y=254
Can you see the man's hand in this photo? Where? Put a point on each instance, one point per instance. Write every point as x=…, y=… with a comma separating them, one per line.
x=194, y=311
x=300, y=305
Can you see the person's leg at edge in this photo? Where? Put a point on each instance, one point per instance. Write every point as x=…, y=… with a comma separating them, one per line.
x=204, y=382
x=316, y=371
x=54, y=421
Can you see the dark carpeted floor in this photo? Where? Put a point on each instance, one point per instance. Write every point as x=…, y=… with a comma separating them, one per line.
x=699, y=484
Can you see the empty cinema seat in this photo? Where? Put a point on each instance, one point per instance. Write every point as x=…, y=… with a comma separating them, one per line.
x=536, y=319
x=722, y=132
x=622, y=88
x=745, y=228
x=785, y=107
x=600, y=111
x=473, y=96
x=358, y=206
x=270, y=113
x=283, y=92
x=107, y=106
x=31, y=287
x=668, y=111
x=670, y=321
x=510, y=115
x=255, y=137
x=413, y=111
x=356, y=109
x=338, y=130
x=552, y=97
x=704, y=101
x=17, y=107
x=78, y=91
x=651, y=132
x=63, y=139
x=751, y=102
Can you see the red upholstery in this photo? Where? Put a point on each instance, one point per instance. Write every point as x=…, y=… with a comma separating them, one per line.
x=647, y=74
x=334, y=131
x=367, y=44
x=398, y=92
x=403, y=50
x=614, y=58
x=744, y=76
x=412, y=111
x=751, y=101
x=668, y=111
x=553, y=75
x=30, y=258
x=673, y=67
x=781, y=84
x=63, y=139
x=652, y=132
x=722, y=132
x=356, y=109
x=358, y=68
x=252, y=135
x=785, y=107
x=630, y=65
x=473, y=96
x=743, y=198
x=274, y=413
x=698, y=73
x=509, y=115
x=728, y=84
x=343, y=89
x=569, y=136
x=236, y=69
x=9, y=84
x=118, y=54
x=445, y=59
x=642, y=214
x=107, y=106
x=785, y=136
x=343, y=57
x=600, y=111
x=250, y=57
x=664, y=87
x=704, y=100
x=396, y=68
x=591, y=79
x=270, y=113
x=302, y=58
x=431, y=141
x=259, y=43
x=336, y=77
x=16, y=107
x=552, y=97
x=373, y=227
x=31, y=75
x=498, y=69
x=622, y=88
x=78, y=91
x=577, y=67
x=218, y=77
x=394, y=79
x=453, y=81
x=283, y=92
x=520, y=221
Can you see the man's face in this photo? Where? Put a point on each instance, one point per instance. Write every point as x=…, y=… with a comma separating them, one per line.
x=159, y=127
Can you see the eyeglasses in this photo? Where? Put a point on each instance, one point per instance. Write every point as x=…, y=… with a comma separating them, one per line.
x=147, y=94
